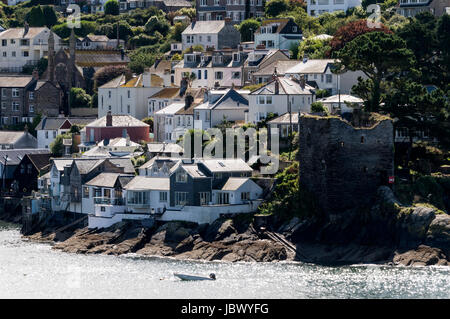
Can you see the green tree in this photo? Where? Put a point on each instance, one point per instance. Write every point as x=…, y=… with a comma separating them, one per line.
x=57, y=147
x=247, y=28
x=50, y=16
x=313, y=49
x=157, y=24
x=79, y=98
x=112, y=7
x=318, y=107
x=275, y=7
x=35, y=17
x=379, y=56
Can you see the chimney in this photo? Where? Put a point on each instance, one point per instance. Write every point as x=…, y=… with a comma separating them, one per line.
x=26, y=28
x=188, y=101
x=35, y=74
x=277, y=86
x=183, y=85
x=302, y=81
x=109, y=119
x=305, y=58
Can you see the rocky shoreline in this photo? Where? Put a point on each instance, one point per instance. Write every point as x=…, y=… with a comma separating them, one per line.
x=387, y=233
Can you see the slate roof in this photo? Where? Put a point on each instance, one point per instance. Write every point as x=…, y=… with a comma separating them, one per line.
x=226, y=165
x=54, y=123
x=91, y=58
x=343, y=98
x=311, y=66
x=204, y=27
x=11, y=137
x=116, y=82
x=194, y=171
x=40, y=160
x=285, y=119
x=109, y=179
x=15, y=81
x=281, y=66
x=148, y=183
x=118, y=121
x=286, y=86
x=234, y=183
x=15, y=156
x=170, y=109
x=15, y=33
x=284, y=27
x=228, y=101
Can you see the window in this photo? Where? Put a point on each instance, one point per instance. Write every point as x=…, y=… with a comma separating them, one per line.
x=128, y=108
x=245, y=196
x=25, y=53
x=15, y=106
x=219, y=75
x=217, y=175
x=197, y=115
x=163, y=196
x=236, y=75
x=203, y=3
x=54, y=134
x=31, y=108
x=4, y=54
x=15, y=92
x=181, y=177
x=328, y=78
x=31, y=95
x=206, y=74
x=109, y=94
x=85, y=192
x=15, y=120
x=46, y=134
x=199, y=72
x=137, y=198
x=129, y=93
x=107, y=193
x=204, y=198
x=4, y=43
x=181, y=198
x=208, y=38
x=223, y=198
x=3, y=105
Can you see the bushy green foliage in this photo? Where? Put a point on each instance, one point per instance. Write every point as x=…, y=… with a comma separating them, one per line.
x=247, y=28
x=318, y=107
x=56, y=147
x=313, y=49
x=112, y=7
x=79, y=98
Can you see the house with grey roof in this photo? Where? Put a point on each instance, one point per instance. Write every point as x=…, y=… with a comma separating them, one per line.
x=218, y=34
x=278, y=34
x=319, y=74
x=279, y=96
x=219, y=105
x=50, y=127
x=24, y=46
x=17, y=140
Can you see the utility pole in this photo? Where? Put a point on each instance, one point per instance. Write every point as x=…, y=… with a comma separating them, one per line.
x=4, y=170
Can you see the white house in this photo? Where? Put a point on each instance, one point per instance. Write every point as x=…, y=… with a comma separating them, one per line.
x=164, y=122
x=210, y=34
x=318, y=73
x=318, y=7
x=230, y=105
x=24, y=46
x=145, y=194
x=122, y=97
x=237, y=191
x=278, y=34
x=343, y=103
x=167, y=96
x=280, y=96
x=50, y=127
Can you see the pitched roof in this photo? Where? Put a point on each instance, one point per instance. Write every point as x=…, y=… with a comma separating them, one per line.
x=283, y=26
x=61, y=163
x=92, y=58
x=11, y=137
x=160, y=161
x=286, y=86
x=40, y=160
x=148, y=183
x=108, y=179
x=54, y=123
x=164, y=148
x=231, y=99
x=15, y=81
x=234, y=183
x=194, y=171
x=170, y=109
x=281, y=65
x=205, y=27
x=311, y=66
x=97, y=38
x=118, y=121
x=226, y=165
x=285, y=119
x=343, y=98
x=15, y=156
x=15, y=33
x=117, y=142
x=116, y=82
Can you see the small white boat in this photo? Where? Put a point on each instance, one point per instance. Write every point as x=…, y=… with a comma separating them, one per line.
x=191, y=277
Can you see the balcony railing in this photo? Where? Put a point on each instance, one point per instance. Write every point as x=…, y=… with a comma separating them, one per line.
x=109, y=201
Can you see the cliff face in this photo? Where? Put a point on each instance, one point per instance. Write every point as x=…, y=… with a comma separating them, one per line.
x=387, y=232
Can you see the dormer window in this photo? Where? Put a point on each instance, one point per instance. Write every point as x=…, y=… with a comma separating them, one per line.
x=181, y=177
x=236, y=57
x=294, y=29
x=189, y=58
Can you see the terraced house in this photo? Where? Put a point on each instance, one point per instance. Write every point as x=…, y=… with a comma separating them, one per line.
x=236, y=10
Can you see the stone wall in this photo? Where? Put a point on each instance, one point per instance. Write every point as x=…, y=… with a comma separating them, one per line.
x=341, y=165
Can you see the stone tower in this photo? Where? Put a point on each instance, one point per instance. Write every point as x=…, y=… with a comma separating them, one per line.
x=342, y=165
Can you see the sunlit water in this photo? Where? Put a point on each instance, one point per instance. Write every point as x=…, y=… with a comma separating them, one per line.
x=34, y=270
